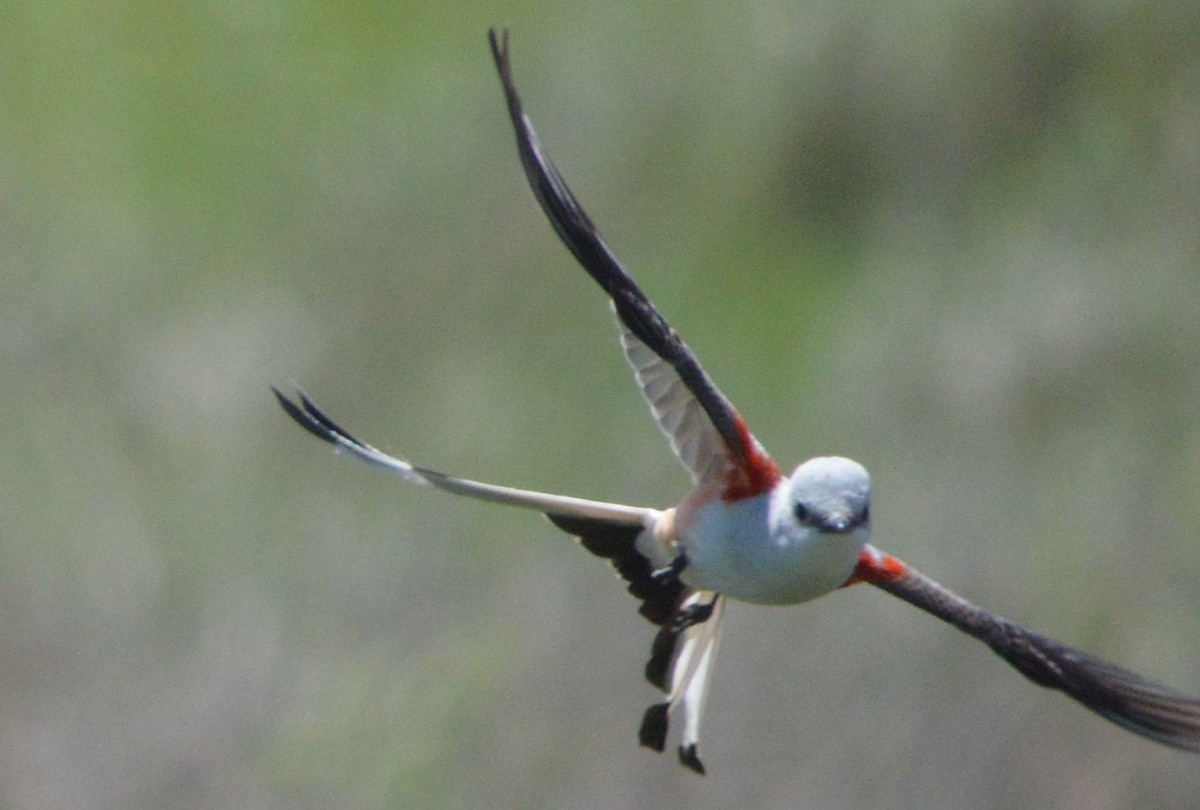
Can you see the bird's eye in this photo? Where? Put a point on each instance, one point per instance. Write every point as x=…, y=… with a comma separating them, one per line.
x=866, y=515
x=802, y=513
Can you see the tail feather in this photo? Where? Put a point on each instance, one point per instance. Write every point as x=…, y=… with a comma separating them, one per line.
x=681, y=656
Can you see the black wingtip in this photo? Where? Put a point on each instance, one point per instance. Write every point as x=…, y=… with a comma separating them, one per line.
x=526, y=139
x=301, y=417
x=308, y=416
x=498, y=39
x=499, y=45
x=690, y=759
x=1126, y=698
x=653, y=733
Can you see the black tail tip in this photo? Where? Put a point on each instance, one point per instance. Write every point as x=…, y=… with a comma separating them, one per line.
x=653, y=733
x=690, y=759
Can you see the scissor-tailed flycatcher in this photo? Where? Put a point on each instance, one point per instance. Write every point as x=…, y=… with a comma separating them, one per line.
x=745, y=531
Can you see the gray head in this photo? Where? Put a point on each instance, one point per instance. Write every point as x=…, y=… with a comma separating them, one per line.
x=831, y=494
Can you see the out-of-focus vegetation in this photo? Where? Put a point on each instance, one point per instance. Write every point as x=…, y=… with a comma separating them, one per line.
x=959, y=242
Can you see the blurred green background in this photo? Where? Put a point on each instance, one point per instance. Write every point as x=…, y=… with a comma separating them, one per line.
x=956, y=241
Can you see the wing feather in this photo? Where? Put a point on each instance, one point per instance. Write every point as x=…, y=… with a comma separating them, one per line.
x=306, y=413
x=680, y=417
x=1126, y=698
x=746, y=469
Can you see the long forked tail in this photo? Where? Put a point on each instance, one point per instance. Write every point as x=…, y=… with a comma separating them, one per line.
x=689, y=621
x=1126, y=698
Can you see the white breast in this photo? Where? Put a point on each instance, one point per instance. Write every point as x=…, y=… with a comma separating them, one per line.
x=744, y=550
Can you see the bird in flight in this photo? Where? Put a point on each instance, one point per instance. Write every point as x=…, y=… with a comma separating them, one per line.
x=745, y=531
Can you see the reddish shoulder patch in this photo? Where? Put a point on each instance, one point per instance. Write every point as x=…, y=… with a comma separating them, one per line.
x=754, y=473
x=874, y=566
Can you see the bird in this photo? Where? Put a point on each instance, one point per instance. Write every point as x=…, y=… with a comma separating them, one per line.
x=745, y=531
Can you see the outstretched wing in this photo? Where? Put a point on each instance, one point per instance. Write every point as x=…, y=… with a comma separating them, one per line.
x=1124, y=697
x=705, y=431
x=313, y=419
